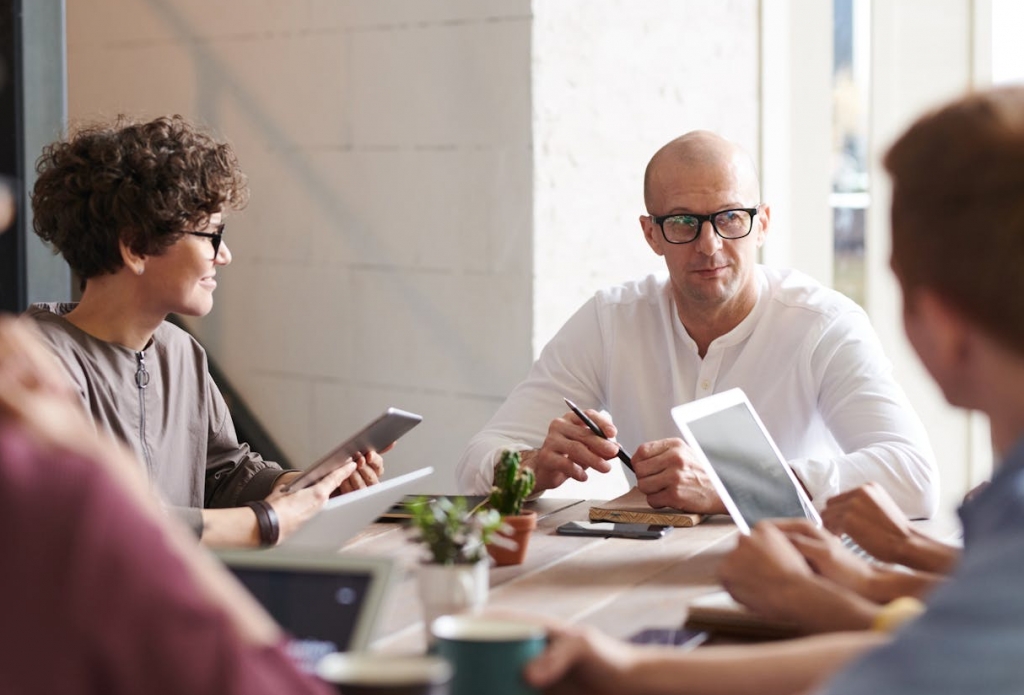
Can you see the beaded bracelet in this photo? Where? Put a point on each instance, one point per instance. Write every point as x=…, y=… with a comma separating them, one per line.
x=896, y=613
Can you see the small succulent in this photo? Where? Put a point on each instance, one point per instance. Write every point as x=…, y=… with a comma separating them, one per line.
x=452, y=532
x=513, y=483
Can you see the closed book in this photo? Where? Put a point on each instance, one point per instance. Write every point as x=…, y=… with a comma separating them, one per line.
x=719, y=613
x=632, y=508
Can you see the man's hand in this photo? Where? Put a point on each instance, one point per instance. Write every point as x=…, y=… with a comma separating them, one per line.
x=571, y=449
x=766, y=572
x=582, y=660
x=670, y=475
x=871, y=518
x=827, y=555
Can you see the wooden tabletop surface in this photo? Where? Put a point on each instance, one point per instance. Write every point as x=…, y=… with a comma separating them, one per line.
x=619, y=585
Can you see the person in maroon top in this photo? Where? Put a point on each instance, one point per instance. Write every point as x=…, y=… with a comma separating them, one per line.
x=105, y=592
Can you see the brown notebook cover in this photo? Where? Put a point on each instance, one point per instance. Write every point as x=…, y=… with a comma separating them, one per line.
x=632, y=508
x=719, y=613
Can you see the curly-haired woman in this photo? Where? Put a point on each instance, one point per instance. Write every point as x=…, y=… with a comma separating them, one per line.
x=137, y=210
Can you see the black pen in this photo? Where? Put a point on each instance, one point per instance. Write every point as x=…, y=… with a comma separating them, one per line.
x=623, y=456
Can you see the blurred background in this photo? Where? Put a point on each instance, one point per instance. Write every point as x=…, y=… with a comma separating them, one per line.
x=438, y=184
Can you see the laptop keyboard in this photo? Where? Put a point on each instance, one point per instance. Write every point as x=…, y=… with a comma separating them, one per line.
x=852, y=546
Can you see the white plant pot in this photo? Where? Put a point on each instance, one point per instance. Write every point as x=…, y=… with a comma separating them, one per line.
x=448, y=589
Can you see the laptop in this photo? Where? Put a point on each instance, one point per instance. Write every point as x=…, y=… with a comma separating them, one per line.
x=747, y=469
x=327, y=602
x=346, y=515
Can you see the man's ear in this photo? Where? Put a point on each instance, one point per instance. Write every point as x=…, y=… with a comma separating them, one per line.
x=764, y=216
x=939, y=330
x=652, y=233
x=135, y=263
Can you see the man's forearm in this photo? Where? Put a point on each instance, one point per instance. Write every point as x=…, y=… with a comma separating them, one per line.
x=929, y=555
x=823, y=606
x=887, y=585
x=778, y=667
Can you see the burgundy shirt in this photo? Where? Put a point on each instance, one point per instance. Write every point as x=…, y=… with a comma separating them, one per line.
x=94, y=601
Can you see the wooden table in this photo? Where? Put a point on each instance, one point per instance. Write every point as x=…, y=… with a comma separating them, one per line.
x=619, y=585
x=616, y=584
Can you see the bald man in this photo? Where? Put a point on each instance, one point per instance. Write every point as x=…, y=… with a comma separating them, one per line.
x=805, y=355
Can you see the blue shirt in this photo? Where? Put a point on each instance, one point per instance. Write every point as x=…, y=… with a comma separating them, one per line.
x=971, y=639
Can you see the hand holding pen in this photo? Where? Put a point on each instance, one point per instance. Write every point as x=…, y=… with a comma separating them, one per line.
x=623, y=456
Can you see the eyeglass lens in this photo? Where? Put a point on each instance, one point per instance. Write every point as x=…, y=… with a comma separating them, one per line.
x=217, y=237
x=731, y=224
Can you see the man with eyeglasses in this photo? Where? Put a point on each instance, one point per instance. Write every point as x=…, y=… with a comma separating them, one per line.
x=806, y=356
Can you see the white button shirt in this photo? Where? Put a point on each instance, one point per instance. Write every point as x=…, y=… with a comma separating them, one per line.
x=806, y=356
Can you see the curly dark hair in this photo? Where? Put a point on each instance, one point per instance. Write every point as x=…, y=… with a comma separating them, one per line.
x=141, y=183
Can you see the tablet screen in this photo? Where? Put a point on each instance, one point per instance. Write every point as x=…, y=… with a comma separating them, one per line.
x=376, y=436
x=746, y=463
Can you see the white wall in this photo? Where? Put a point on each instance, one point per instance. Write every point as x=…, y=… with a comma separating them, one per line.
x=385, y=258
x=613, y=81
x=922, y=55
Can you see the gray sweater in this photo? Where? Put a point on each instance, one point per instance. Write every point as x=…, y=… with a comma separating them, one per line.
x=164, y=405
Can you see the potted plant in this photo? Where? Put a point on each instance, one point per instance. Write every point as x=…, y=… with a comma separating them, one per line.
x=513, y=483
x=454, y=578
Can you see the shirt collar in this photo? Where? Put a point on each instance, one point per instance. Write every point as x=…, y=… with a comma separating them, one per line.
x=744, y=328
x=1010, y=467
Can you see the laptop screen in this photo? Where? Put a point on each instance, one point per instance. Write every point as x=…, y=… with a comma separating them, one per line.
x=747, y=465
x=319, y=610
x=326, y=602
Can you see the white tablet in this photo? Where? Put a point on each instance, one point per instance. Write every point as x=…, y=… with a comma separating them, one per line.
x=376, y=436
x=747, y=469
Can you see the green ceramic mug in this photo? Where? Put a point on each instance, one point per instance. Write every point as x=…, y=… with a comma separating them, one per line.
x=488, y=654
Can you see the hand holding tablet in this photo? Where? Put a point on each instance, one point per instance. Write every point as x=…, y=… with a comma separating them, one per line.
x=376, y=436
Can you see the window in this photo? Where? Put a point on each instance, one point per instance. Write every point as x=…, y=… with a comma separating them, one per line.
x=850, y=195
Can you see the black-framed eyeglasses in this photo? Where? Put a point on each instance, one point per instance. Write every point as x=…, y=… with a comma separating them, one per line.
x=214, y=237
x=734, y=223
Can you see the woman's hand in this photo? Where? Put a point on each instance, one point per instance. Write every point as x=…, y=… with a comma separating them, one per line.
x=369, y=469
x=295, y=508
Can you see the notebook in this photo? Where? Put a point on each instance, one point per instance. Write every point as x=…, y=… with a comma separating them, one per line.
x=720, y=613
x=327, y=602
x=632, y=508
x=346, y=515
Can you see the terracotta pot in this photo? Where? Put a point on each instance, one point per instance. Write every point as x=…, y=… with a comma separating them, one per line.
x=522, y=526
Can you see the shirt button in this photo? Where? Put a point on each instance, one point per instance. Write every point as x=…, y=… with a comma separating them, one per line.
x=705, y=385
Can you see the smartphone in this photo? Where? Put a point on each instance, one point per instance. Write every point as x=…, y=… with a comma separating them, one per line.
x=379, y=434
x=608, y=529
x=684, y=638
